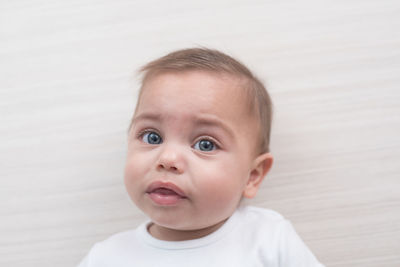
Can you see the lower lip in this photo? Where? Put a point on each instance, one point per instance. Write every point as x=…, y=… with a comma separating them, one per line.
x=165, y=200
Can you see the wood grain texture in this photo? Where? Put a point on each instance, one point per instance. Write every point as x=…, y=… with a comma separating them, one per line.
x=67, y=91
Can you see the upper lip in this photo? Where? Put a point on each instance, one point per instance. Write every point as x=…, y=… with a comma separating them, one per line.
x=167, y=185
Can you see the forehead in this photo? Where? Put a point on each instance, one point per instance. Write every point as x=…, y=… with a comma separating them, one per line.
x=196, y=91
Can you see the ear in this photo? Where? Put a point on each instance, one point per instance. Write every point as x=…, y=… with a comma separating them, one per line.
x=261, y=165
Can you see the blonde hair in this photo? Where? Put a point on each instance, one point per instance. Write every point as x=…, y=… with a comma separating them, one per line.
x=214, y=61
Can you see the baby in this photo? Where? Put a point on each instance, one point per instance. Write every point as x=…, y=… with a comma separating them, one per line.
x=198, y=143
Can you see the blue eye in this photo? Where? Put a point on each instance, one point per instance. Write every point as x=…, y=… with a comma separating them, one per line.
x=152, y=138
x=205, y=145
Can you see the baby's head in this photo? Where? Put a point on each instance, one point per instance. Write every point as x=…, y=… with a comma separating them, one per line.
x=198, y=141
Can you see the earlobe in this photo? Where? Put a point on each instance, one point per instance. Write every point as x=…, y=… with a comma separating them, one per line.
x=262, y=164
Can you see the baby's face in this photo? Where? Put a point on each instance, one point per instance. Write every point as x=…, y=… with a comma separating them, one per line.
x=190, y=150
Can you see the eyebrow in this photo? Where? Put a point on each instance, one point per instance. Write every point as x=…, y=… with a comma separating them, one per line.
x=213, y=121
x=147, y=116
x=204, y=120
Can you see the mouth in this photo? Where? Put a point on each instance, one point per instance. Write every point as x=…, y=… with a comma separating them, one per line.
x=165, y=193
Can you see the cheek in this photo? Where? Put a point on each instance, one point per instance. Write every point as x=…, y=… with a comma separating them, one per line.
x=136, y=167
x=222, y=181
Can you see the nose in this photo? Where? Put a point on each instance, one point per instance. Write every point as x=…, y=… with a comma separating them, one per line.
x=171, y=159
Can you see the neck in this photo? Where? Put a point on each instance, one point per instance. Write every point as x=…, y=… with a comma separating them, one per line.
x=168, y=234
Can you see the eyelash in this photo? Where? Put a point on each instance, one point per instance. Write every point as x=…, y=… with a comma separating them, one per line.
x=208, y=138
x=145, y=131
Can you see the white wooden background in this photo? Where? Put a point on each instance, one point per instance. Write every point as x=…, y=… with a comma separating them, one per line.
x=68, y=89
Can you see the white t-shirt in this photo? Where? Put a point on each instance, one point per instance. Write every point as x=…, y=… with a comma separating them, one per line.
x=250, y=237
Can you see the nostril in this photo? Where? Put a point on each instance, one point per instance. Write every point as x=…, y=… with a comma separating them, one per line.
x=164, y=166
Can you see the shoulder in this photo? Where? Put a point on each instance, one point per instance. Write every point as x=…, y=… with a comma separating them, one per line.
x=114, y=248
x=120, y=238
x=268, y=217
x=274, y=238
x=257, y=211
x=266, y=222
x=263, y=225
